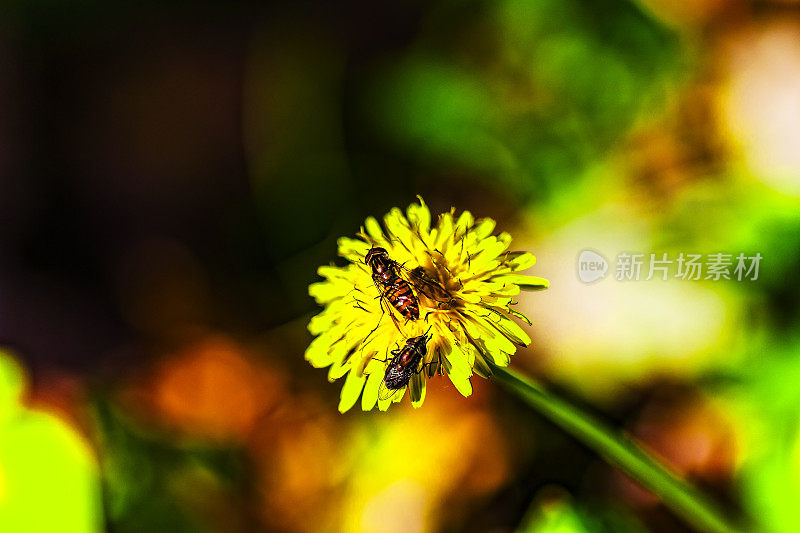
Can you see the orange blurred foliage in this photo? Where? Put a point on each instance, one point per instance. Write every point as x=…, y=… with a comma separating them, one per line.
x=209, y=389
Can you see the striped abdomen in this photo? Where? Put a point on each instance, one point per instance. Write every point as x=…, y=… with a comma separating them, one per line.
x=402, y=298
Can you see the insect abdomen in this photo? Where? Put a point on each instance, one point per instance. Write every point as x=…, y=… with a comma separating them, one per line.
x=402, y=298
x=396, y=377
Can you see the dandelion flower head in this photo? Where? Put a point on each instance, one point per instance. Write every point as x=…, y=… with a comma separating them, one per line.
x=469, y=281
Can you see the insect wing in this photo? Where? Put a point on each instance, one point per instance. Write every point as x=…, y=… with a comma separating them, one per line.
x=385, y=393
x=383, y=299
x=425, y=284
x=390, y=311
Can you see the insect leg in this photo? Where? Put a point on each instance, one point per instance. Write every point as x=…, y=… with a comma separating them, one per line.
x=365, y=341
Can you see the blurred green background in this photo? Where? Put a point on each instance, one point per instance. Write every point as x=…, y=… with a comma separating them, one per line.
x=172, y=173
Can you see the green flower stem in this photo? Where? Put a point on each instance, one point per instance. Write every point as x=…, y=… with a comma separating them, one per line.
x=621, y=451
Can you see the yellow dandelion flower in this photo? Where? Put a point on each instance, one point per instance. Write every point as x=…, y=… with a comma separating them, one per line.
x=464, y=281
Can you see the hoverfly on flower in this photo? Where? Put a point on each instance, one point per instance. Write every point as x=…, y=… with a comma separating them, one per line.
x=405, y=363
x=464, y=281
x=394, y=282
x=432, y=289
x=391, y=286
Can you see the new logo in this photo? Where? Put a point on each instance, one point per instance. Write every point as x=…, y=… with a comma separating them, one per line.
x=591, y=266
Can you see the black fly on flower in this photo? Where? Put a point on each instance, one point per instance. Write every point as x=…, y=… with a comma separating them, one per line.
x=405, y=363
x=455, y=317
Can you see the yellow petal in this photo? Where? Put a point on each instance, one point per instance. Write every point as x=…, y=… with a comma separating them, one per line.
x=396, y=225
x=483, y=228
x=516, y=261
x=486, y=353
x=335, y=273
x=500, y=358
x=416, y=388
x=320, y=323
x=352, y=249
x=487, y=259
x=370, y=395
x=350, y=392
x=507, y=289
x=420, y=216
x=360, y=359
x=505, y=238
x=479, y=328
x=445, y=234
x=526, y=283
x=432, y=368
x=464, y=223
x=342, y=354
x=397, y=398
x=374, y=229
x=324, y=292
x=495, y=301
x=383, y=405
x=458, y=364
x=374, y=366
x=319, y=352
x=337, y=370
x=508, y=327
x=462, y=384
x=481, y=367
x=470, y=297
x=521, y=316
x=440, y=353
